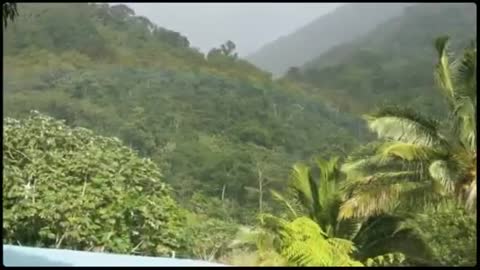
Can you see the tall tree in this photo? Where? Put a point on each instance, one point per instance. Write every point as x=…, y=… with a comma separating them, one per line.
x=9, y=12
x=416, y=155
x=228, y=48
x=318, y=195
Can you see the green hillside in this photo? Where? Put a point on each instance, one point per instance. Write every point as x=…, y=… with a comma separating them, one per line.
x=121, y=138
x=206, y=121
x=393, y=63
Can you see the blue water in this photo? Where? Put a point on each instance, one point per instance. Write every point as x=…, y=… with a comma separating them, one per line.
x=29, y=256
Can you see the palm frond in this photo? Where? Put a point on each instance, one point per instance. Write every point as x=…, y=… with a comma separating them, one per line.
x=316, y=190
x=349, y=228
x=405, y=125
x=362, y=159
x=317, y=204
x=327, y=188
x=409, y=151
x=387, y=233
x=471, y=201
x=300, y=182
x=375, y=198
x=465, y=124
x=277, y=196
x=328, y=168
x=442, y=171
x=355, y=169
x=371, y=190
x=442, y=73
x=381, y=178
x=423, y=196
x=465, y=74
x=364, y=151
x=375, y=225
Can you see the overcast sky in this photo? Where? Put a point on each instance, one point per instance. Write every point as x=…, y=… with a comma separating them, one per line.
x=248, y=25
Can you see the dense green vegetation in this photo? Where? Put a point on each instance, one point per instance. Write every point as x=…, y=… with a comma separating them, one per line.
x=211, y=126
x=68, y=188
x=445, y=226
x=139, y=144
x=316, y=193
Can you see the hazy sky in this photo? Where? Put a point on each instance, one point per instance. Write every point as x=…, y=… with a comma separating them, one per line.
x=248, y=25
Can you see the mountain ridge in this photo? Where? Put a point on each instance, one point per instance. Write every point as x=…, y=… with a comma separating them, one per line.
x=392, y=63
x=277, y=56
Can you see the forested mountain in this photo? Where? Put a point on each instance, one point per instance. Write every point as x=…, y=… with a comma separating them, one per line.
x=119, y=137
x=212, y=124
x=392, y=63
x=344, y=24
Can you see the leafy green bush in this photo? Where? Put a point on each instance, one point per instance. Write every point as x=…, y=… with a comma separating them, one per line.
x=254, y=246
x=68, y=188
x=207, y=238
x=452, y=234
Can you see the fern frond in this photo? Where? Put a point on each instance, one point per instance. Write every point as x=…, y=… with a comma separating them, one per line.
x=306, y=244
x=342, y=246
x=389, y=259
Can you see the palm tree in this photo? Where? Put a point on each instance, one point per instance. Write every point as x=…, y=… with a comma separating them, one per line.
x=318, y=196
x=417, y=155
x=9, y=12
